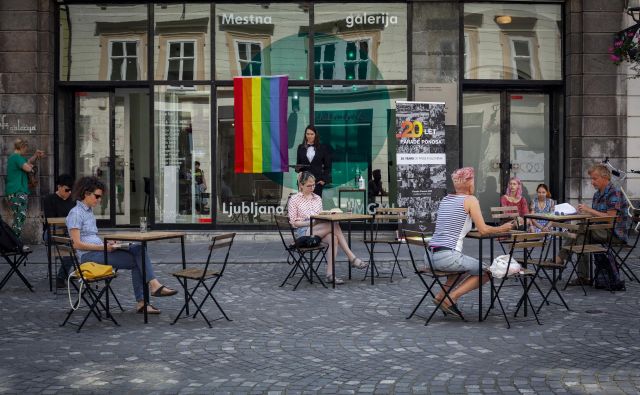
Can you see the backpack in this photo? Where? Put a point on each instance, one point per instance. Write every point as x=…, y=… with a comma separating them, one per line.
x=9, y=242
x=607, y=275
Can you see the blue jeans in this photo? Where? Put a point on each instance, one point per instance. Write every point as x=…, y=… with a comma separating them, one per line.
x=454, y=261
x=126, y=260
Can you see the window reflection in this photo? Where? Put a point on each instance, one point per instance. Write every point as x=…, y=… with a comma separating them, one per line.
x=103, y=42
x=261, y=39
x=183, y=154
x=518, y=41
x=182, y=42
x=360, y=42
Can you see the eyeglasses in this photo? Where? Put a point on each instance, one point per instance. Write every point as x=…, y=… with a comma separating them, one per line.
x=96, y=195
x=67, y=189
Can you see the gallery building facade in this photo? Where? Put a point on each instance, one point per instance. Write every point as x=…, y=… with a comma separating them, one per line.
x=140, y=94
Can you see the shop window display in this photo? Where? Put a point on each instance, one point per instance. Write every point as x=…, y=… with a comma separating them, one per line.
x=183, y=154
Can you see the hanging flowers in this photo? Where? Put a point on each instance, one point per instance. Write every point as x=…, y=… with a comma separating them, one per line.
x=625, y=48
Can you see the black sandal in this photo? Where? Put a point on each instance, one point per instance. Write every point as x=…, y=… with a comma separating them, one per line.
x=159, y=294
x=155, y=310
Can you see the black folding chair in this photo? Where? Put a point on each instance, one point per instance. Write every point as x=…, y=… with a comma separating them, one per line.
x=202, y=276
x=588, y=244
x=91, y=297
x=624, y=251
x=383, y=216
x=525, y=243
x=419, y=239
x=551, y=270
x=306, y=260
x=13, y=253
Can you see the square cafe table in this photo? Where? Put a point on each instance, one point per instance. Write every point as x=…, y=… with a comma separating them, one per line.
x=340, y=217
x=144, y=237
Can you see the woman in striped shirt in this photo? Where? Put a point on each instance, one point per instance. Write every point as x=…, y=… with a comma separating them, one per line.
x=301, y=207
x=455, y=215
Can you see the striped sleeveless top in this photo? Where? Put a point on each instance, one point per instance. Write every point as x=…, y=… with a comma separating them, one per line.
x=452, y=224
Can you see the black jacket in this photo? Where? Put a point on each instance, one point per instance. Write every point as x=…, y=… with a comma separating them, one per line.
x=321, y=163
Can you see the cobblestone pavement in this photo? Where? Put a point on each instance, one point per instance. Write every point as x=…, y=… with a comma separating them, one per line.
x=354, y=339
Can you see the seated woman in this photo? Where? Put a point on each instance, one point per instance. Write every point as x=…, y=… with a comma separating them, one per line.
x=513, y=197
x=81, y=223
x=455, y=215
x=301, y=207
x=543, y=204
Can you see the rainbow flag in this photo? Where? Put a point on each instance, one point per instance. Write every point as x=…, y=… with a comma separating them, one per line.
x=260, y=112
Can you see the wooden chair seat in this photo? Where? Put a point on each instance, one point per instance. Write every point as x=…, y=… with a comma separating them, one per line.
x=195, y=273
x=549, y=264
x=588, y=249
x=438, y=273
x=383, y=241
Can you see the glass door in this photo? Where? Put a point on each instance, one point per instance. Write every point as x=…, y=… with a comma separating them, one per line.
x=93, y=144
x=110, y=132
x=506, y=134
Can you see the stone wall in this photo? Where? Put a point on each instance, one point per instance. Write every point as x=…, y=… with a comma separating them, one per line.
x=596, y=101
x=26, y=94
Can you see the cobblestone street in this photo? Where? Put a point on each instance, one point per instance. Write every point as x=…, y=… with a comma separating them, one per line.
x=354, y=339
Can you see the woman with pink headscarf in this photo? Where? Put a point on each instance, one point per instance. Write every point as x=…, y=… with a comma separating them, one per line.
x=456, y=213
x=513, y=197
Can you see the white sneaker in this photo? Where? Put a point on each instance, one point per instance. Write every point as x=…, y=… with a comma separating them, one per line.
x=329, y=280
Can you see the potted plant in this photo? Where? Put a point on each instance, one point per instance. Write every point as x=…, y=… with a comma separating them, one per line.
x=625, y=48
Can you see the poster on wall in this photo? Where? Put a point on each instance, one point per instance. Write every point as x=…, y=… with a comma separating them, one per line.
x=421, y=161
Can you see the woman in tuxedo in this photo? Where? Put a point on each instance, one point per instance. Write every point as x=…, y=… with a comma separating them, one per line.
x=314, y=158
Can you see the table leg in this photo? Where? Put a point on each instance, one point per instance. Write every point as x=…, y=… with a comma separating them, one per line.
x=480, y=285
x=184, y=266
x=371, y=264
x=333, y=259
x=145, y=285
x=349, y=243
x=49, y=258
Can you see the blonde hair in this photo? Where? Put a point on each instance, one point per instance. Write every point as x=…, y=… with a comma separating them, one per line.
x=602, y=170
x=20, y=143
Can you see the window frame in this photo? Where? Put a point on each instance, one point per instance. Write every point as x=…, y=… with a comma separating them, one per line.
x=236, y=47
x=181, y=58
x=110, y=57
x=515, y=73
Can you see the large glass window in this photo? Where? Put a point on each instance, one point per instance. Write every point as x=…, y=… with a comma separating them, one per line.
x=261, y=39
x=253, y=199
x=358, y=124
x=518, y=41
x=103, y=42
x=360, y=41
x=183, y=154
x=181, y=42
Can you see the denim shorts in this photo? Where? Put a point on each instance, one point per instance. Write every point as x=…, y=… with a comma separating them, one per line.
x=454, y=261
x=301, y=231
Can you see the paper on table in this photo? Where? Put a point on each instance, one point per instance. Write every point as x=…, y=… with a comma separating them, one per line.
x=565, y=209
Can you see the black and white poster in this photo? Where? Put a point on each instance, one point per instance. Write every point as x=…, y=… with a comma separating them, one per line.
x=421, y=161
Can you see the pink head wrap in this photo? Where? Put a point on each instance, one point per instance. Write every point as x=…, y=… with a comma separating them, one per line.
x=463, y=175
x=518, y=191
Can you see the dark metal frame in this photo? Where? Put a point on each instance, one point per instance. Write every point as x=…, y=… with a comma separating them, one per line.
x=213, y=84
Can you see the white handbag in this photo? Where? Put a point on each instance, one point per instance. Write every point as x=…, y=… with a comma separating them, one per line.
x=499, y=265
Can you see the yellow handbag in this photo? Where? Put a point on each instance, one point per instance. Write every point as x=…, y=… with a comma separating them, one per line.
x=92, y=270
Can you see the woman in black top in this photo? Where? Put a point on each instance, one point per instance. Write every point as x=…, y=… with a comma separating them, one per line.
x=314, y=158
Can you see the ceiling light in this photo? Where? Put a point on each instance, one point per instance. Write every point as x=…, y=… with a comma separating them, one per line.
x=503, y=19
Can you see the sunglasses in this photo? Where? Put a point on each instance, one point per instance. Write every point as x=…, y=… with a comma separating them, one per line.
x=67, y=189
x=97, y=196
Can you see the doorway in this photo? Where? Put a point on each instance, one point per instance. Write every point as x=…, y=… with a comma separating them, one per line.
x=111, y=141
x=510, y=134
